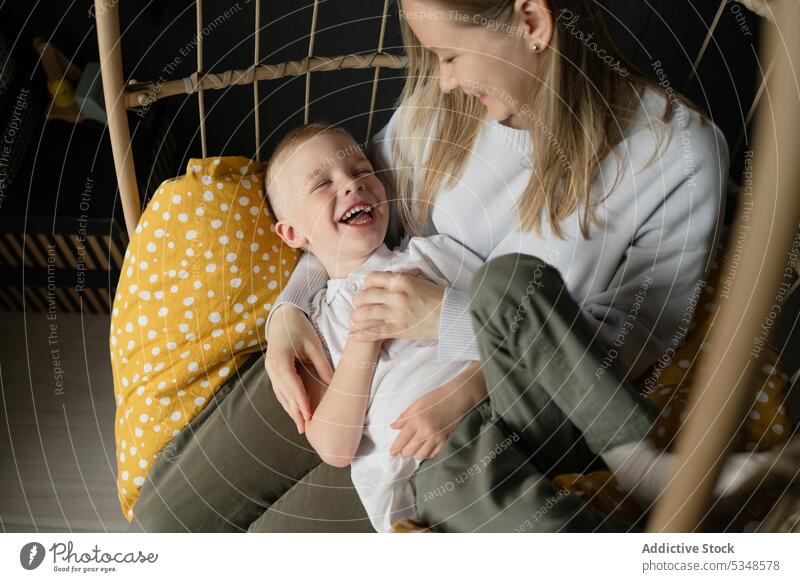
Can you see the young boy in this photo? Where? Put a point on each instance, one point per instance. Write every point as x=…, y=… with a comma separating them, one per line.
x=328, y=201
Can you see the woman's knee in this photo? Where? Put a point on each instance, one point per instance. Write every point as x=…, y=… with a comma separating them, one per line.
x=511, y=282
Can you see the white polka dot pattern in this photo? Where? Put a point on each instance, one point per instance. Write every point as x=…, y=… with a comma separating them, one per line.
x=190, y=305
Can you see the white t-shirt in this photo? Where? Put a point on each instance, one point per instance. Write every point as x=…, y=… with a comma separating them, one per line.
x=406, y=369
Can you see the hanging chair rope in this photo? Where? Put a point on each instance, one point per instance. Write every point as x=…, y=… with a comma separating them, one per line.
x=706, y=42
x=311, y=38
x=256, y=53
x=143, y=94
x=760, y=7
x=756, y=100
x=201, y=103
x=377, y=75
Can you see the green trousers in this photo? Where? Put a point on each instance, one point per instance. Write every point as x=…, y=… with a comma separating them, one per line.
x=241, y=466
x=551, y=410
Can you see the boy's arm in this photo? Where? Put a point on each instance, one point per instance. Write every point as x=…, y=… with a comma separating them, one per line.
x=339, y=410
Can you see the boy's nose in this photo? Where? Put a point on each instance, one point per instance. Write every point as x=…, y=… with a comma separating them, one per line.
x=350, y=188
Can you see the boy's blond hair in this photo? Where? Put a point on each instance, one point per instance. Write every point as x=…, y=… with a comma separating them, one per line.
x=291, y=141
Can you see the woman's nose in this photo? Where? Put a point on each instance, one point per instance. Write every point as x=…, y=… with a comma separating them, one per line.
x=447, y=81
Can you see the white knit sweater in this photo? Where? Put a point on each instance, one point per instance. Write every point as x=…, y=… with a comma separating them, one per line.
x=635, y=278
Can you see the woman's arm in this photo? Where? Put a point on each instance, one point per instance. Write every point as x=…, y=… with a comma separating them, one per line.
x=399, y=305
x=647, y=308
x=294, y=341
x=337, y=424
x=291, y=339
x=308, y=277
x=456, y=334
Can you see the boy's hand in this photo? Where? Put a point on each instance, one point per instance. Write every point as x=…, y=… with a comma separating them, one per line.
x=426, y=424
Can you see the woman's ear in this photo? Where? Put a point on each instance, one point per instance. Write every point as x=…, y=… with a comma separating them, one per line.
x=537, y=22
x=290, y=235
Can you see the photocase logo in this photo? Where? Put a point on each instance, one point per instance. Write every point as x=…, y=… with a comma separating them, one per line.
x=31, y=555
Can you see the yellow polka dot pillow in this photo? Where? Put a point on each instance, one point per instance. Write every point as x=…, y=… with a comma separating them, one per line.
x=198, y=280
x=667, y=385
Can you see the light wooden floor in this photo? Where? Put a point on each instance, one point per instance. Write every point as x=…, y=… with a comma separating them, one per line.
x=57, y=451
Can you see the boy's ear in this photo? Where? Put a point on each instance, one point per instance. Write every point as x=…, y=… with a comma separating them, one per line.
x=290, y=235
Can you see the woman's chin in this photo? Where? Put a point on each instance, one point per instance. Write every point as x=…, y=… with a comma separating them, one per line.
x=512, y=121
x=502, y=116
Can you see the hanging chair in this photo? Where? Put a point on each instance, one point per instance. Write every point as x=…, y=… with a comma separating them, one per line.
x=714, y=393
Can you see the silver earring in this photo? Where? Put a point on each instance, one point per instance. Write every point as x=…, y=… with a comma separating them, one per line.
x=535, y=47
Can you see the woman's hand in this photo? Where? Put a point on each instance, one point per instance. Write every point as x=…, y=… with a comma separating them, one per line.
x=426, y=424
x=292, y=339
x=397, y=305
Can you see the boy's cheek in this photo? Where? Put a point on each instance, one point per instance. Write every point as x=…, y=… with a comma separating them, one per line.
x=378, y=188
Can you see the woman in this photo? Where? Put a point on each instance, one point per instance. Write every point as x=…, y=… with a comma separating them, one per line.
x=595, y=197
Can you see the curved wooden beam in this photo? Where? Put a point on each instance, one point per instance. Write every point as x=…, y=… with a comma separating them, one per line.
x=760, y=7
x=723, y=385
x=108, y=41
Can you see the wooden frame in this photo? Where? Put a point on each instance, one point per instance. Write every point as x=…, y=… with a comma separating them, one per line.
x=720, y=392
x=702, y=443
x=119, y=97
x=108, y=41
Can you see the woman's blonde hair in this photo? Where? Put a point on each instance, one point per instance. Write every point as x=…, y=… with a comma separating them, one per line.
x=578, y=114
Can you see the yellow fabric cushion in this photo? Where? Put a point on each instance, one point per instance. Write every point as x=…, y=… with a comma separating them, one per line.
x=198, y=280
x=409, y=525
x=667, y=385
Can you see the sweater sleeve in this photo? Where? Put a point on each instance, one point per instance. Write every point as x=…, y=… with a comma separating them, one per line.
x=308, y=277
x=647, y=310
x=456, y=334
x=457, y=340
x=454, y=266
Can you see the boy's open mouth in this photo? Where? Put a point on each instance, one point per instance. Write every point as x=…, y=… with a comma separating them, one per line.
x=360, y=215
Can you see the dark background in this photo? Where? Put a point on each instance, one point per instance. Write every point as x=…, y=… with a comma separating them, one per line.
x=57, y=461
x=63, y=156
